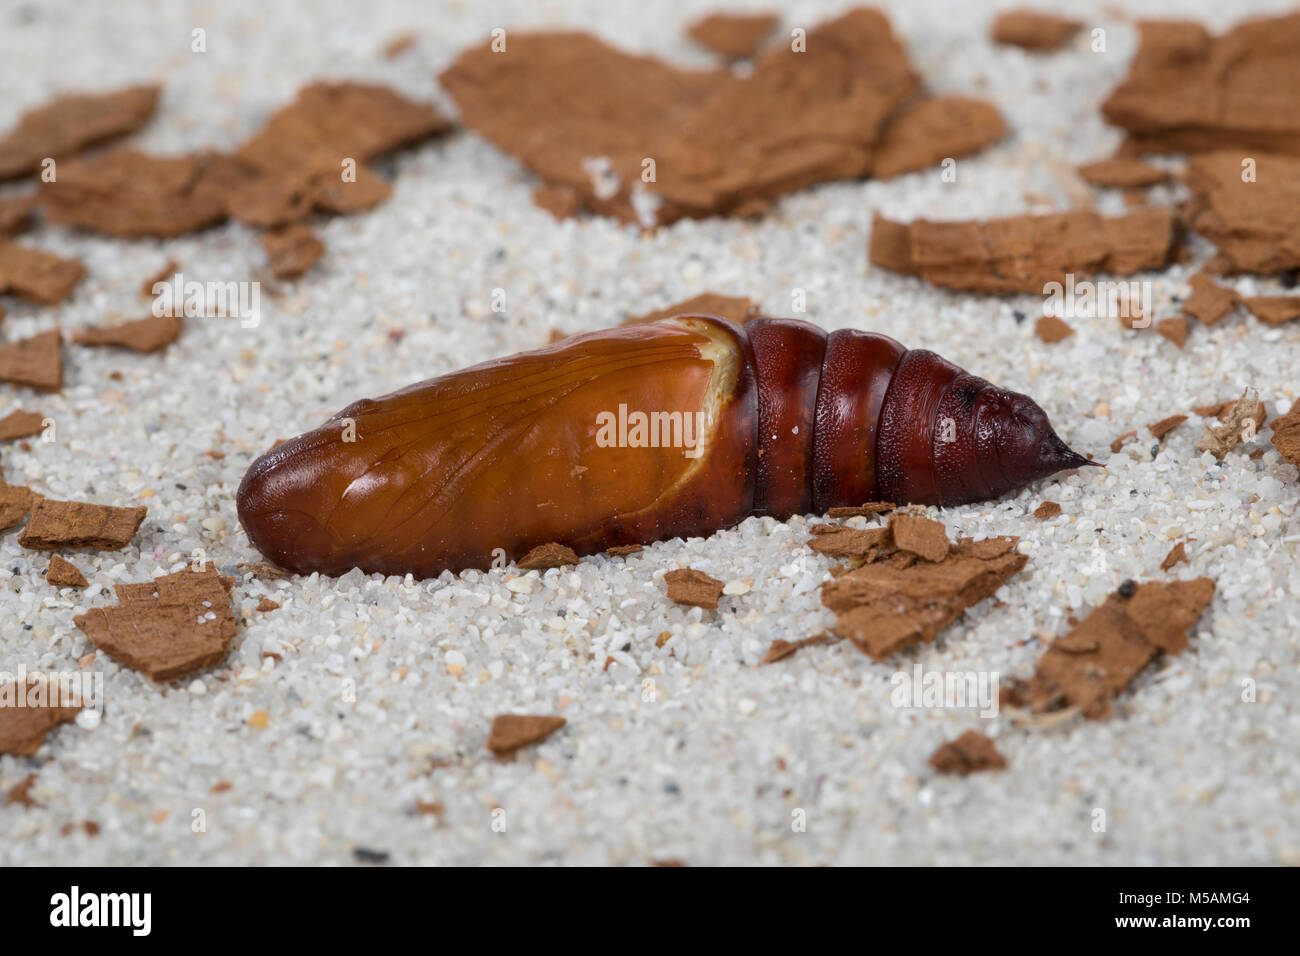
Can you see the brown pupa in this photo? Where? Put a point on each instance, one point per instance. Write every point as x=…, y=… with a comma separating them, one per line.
x=634, y=434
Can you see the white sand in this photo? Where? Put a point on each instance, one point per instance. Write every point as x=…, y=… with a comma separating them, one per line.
x=712, y=769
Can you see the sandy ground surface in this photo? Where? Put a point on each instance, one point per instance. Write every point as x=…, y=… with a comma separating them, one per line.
x=384, y=689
